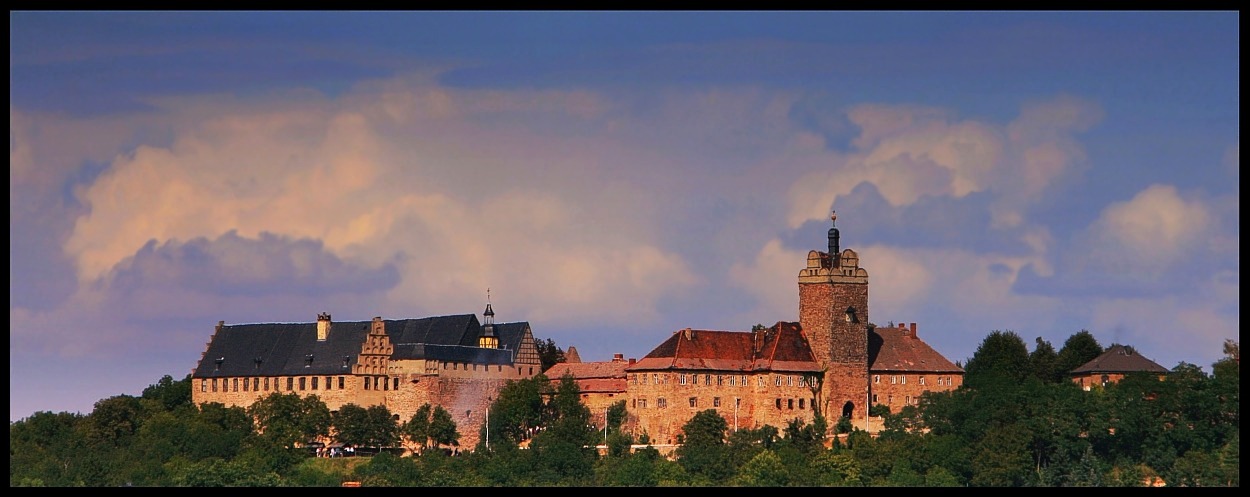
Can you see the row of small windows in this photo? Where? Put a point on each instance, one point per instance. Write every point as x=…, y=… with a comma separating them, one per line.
x=720, y=379
x=662, y=403
x=902, y=379
x=907, y=400
x=304, y=383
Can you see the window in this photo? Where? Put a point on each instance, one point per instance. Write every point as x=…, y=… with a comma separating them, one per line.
x=314, y=382
x=777, y=380
x=802, y=381
x=733, y=381
x=922, y=380
x=642, y=403
x=874, y=398
x=893, y=380
x=907, y=400
x=720, y=380
x=759, y=381
x=694, y=402
x=790, y=404
x=301, y=383
x=236, y=384
x=214, y=384
x=682, y=379
x=203, y=385
x=801, y=403
x=328, y=383
x=255, y=384
x=341, y=379
x=266, y=383
x=903, y=380
x=779, y=403
x=245, y=384
x=876, y=378
x=707, y=379
x=744, y=380
x=790, y=380
x=290, y=383
x=715, y=401
x=396, y=387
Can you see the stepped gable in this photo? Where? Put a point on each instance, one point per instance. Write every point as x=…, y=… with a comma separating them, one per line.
x=780, y=348
x=899, y=349
x=1119, y=359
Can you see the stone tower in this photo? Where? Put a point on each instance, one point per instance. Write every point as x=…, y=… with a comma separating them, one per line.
x=833, y=311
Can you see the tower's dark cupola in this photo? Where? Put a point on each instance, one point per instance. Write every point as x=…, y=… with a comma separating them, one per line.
x=834, y=236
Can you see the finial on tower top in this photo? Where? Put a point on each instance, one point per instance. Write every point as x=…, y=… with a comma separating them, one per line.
x=833, y=216
x=487, y=295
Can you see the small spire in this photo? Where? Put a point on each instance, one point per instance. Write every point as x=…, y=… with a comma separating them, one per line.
x=833, y=216
x=489, y=312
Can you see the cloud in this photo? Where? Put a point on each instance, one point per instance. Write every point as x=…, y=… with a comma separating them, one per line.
x=234, y=265
x=909, y=153
x=1149, y=233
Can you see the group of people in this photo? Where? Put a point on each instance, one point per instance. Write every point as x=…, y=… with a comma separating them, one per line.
x=345, y=451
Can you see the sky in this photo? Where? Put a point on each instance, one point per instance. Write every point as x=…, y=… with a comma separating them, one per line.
x=612, y=177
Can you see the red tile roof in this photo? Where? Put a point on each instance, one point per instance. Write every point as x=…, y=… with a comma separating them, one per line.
x=779, y=348
x=1119, y=359
x=899, y=349
x=592, y=377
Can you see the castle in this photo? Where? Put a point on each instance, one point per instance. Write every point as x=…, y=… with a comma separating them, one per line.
x=833, y=360
x=452, y=361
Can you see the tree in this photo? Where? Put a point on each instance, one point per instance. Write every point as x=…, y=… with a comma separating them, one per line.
x=703, y=451
x=417, y=429
x=285, y=420
x=1043, y=362
x=1001, y=359
x=443, y=428
x=565, y=451
x=518, y=412
x=1079, y=349
x=763, y=470
x=548, y=353
x=367, y=427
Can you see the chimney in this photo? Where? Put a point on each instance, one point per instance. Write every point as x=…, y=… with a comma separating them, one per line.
x=913, y=330
x=632, y=361
x=618, y=357
x=689, y=333
x=323, y=326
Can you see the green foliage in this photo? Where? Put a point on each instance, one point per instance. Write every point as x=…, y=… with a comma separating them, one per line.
x=1043, y=363
x=518, y=411
x=703, y=452
x=1001, y=361
x=365, y=427
x=1079, y=349
x=288, y=419
x=548, y=353
x=763, y=470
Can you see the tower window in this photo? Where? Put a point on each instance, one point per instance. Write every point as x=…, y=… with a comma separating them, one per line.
x=850, y=315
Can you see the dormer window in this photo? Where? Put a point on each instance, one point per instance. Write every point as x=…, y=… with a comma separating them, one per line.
x=258, y=361
x=218, y=361
x=308, y=360
x=346, y=359
x=850, y=315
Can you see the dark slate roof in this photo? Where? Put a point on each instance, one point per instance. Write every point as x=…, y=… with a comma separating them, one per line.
x=899, y=349
x=783, y=348
x=1119, y=359
x=283, y=348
